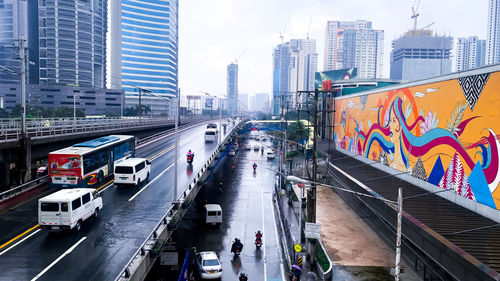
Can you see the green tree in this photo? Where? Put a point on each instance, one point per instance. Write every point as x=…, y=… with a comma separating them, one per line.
x=4, y=113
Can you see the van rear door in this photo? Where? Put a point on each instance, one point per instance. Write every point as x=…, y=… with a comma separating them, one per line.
x=65, y=214
x=50, y=214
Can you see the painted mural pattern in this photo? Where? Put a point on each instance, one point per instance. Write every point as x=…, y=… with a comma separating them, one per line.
x=444, y=133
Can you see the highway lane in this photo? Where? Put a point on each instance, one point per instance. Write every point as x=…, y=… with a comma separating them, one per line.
x=122, y=226
x=247, y=207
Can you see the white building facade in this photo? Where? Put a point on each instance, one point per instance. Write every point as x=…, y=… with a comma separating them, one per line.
x=354, y=44
x=471, y=53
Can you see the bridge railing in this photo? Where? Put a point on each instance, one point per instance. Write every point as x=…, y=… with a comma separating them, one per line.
x=10, y=129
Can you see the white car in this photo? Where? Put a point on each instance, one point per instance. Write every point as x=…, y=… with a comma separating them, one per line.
x=271, y=155
x=132, y=171
x=208, y=265
x=231, y=152
x=68, y=208
x=248, y=147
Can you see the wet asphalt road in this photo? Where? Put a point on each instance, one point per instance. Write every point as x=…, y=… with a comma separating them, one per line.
x=247, y=206
x=104, y=245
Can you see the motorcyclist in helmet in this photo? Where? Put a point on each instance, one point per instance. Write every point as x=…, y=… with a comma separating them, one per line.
x=243, y=277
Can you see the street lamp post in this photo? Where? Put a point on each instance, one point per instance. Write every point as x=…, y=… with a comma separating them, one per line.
x=74, y=111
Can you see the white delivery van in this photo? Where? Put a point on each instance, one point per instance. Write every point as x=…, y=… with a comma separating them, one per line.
x=213, y=214
x=68, y=208
x=132, y=171
x=211, y=135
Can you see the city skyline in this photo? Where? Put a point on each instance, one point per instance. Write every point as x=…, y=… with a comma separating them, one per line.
x=225, y=20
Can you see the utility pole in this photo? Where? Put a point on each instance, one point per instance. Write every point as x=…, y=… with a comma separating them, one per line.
x=140, y=103
x=25, y=140
x=311, y=193
x=177, y=103
x=397, y=270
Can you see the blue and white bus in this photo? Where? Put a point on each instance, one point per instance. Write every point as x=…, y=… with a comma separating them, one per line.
x=89, y=163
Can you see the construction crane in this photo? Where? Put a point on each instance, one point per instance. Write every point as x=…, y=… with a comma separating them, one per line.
x=415, y=14
x=238, y=57
x=309, y=28
x=284, y=28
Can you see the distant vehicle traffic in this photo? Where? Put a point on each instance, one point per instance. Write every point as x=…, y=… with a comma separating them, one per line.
x=213, y=214
x=68, y=208
x=211, y=135
x=271, y=155
x=132, y=171
x=88, y=163
x=208, y=265
x=232, y=152
x=212, y=126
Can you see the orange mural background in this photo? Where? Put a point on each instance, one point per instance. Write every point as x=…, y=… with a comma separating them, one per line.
x=443, y=132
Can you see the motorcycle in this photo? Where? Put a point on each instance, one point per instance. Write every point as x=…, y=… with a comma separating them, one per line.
x=243, y=277
x=254, y=166
x=258, y=240
x=237, y=247
x=190, y=158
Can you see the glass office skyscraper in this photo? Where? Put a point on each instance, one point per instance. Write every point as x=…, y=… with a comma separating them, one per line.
x=12, y=28
x=143, y=53
x=72, y=42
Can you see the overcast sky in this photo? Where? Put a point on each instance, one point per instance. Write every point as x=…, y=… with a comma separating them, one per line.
x=212, y=34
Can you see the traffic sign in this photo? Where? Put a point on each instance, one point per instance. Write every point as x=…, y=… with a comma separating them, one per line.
x=297, y=248
x=312, y=230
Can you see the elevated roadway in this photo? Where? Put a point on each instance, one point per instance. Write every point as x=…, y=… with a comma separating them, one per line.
x=104, y=245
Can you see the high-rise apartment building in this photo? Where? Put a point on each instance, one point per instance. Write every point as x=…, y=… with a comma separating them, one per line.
x=260, y=102
x=232, y=88
x=471, y=53
x=143, y=54
x=493, y=34
x=303, y=66
x=419, y=55
x=12, y=27
x=243, y=102
x=281, y=75
x=72, y=42
x=354, y=44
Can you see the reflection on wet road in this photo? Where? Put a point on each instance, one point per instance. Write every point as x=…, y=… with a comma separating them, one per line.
x=247, y=206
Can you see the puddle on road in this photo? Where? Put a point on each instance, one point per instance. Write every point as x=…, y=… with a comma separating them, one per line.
x=361, y=273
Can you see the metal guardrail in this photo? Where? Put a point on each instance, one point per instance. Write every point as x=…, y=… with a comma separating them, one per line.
x=174, y=214
x=10, y=129
x=23, y=188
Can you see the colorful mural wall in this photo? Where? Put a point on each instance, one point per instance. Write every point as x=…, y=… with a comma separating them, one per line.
x=445, y=133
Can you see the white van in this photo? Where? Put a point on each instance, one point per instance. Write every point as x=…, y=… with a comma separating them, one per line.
x=213, y=214
x=211, y=135
x=132, y=171
x=68, y=208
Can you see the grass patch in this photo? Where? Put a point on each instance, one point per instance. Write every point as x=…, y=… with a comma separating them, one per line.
x=321, y=257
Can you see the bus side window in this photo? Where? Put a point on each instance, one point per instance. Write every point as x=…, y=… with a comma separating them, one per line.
x=64, y=207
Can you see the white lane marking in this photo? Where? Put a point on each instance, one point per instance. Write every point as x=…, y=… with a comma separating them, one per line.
x=19, y=242
x=263, y=231
x=153, y=180
x=282, y=266
x=59, y=258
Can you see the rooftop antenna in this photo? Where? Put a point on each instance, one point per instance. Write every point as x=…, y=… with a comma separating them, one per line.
x=284, y=28
x=415, y=14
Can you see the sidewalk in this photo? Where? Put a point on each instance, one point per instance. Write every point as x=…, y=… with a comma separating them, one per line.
x=292, y=221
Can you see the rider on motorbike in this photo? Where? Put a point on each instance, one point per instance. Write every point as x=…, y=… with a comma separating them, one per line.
x=237, y=245
x=254, y=166
x=243, y=277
